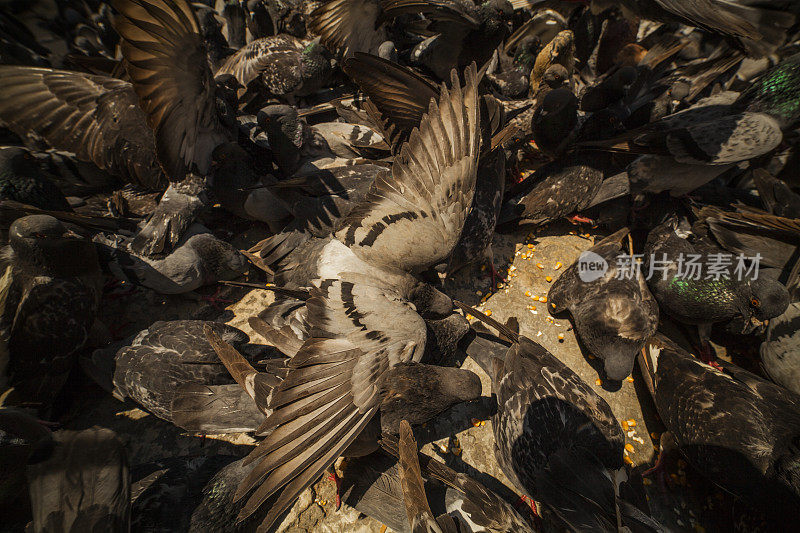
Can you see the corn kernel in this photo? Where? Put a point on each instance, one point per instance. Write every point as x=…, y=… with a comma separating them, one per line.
x=527, y=293
x=632, y=422
x=548, y=279
x=470, y=317
x=629, y=379
x=598, y=382
x=476, y=423
x=624, y=425
x=536, y=299
x=539, y=266
x=530, y=247
x=628, y=460
x=629, y=447
x=543, y=299
x=558, y=265
x=561, y=336
x=488, y=312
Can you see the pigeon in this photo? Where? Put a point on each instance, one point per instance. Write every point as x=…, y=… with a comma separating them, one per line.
x=613, y=311
x=365, y=273
x=99, y=120
x=283, y=65
x=555, y=438
x=779, y=354
x=554, y=120
x=727, y=128
x=689, y=288
x=50, y=291
x=556, y=190
x=169, y=360
x=22, y=180
x=513, y=80
x=458, y=32
x=559, y=51
x=470, y=505
x=199, y=259
x=735, y=428
x=190, y=114
x=400, y=97
x=83, y=484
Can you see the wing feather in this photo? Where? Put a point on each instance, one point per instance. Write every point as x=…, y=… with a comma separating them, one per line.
x=348, y=26
x=165, y=57
x=95, y=117
x=413, y=218
x=330, y=394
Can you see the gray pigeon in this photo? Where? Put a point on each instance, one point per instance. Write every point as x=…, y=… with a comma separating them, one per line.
x=280, y=65
x=555, y=438
x=172, y=371
x=733, y=427
x=359, y=311
x=199, y=259
x=50, y=291
x=614, y=314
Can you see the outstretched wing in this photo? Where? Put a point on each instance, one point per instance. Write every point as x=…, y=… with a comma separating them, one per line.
x=252, y=59
x=400, y=95
x=348, y=26
x=413, y=218
x=330, y=394
x=166, y=60
x=713, y=16
x=95, y=117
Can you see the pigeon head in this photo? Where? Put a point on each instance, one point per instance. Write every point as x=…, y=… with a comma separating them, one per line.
x=768, y=298
x=17, y=161
x=226, y=99
x=222, y=261
x=387, y=51
x=497, y=16
x=430, y=302
x=556, y=76
x=526, y=52
x=232, y=168
x=286, y=133
x=44, y=241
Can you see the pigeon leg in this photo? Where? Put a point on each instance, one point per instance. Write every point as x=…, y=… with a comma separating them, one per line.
x=337, y=481
x=706, y=351
x=495, y=275
x=580, y=219
x=666, y=445
x=660, y=470
x=215, y=300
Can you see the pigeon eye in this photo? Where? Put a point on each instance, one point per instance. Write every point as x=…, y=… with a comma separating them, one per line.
x=755, y=302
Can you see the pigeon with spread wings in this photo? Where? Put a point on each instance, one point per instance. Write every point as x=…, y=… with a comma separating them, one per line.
x=366, y=309
x=97, y=118
x=189, y=113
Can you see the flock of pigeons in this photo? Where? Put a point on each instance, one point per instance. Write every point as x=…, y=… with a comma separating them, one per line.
x=382, y=143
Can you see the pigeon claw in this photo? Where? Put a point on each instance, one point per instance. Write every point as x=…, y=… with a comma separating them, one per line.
x=337, y=481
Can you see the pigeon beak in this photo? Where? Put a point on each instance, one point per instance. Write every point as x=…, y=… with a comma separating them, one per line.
x=69, y=234
x=754, y=324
